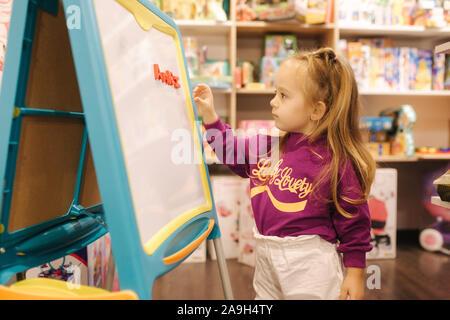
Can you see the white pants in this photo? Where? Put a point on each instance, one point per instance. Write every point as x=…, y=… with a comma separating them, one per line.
x=304, y=267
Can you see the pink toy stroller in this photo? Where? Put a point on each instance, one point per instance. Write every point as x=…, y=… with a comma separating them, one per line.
x=436, y=237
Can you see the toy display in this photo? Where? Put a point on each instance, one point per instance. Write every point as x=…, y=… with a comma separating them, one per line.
x=281, y=45
x=314, y=11
x=194, y=9
x=379, y=65
x=247, y=72
x=71, y=268
x=247, y=241
x=432, y=151
x=276, y=48
x=210, y=156
x=215, y=73
x=244, y=12
x=424, y=70
x=447, y=72
x=191, y=54
x=374, y=131
x=430, y=14
x=268, y=70
x=401, y=136
x=437, y=236
x=272, y=10
x=358, y=55
x=383, y=212
x=227, y=192
x=438, y=72
x=98, y=254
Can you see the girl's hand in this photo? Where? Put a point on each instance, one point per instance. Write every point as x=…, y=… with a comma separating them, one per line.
x=353, y=284
x=203, y=97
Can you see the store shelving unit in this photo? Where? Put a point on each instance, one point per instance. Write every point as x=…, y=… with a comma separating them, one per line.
x=437, y=201
x=443, y=48
x=245, y=41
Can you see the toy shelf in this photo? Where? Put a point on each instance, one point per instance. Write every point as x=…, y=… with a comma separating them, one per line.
x=245, y=41
x=443, y=48
x=205, y=27
x=437, y=201
x=288, y=26
x=382, y=159
x=432, y=93
x=394, y=31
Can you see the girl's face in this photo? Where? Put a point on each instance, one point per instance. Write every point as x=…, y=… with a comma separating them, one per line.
x=289, y=107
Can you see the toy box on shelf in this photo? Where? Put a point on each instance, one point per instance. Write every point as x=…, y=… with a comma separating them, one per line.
x=401, y=136
x=430, y=14
x=227, y=192
x=383, y=213
x=249, y=128
x=210, y=156
x=194, y=9
x=305, y=11
x=247, y=239
x=98, y=254
x=277, y=48
x=274, y=10
x=374, y=131
x=379, y=65
x=215, y=73
x=314, y=12
x=390, y=133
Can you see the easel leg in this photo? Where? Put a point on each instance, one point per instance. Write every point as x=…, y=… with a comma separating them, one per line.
x=109, y=282
x=226, y=284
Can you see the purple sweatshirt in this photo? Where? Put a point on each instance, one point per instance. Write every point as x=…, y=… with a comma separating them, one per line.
x=283, y=204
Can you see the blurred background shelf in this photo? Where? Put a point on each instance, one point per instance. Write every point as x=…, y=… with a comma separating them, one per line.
x=443, y=48
x=425, y=93
x=437, y=201
x=393, y=31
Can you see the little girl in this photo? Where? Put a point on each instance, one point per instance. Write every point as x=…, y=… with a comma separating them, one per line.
x=310, y=203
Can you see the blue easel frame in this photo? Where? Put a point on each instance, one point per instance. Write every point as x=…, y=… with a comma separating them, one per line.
x=29, y=247
x=137, y=270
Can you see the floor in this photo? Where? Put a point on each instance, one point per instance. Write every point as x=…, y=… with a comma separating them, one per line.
x=414, y=274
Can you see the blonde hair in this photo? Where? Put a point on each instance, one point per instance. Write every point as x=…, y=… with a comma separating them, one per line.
x=330, y=79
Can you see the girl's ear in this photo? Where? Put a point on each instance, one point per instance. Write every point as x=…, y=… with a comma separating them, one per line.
x=318, y=111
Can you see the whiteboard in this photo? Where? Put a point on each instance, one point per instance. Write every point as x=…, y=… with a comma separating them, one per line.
x=148, y=113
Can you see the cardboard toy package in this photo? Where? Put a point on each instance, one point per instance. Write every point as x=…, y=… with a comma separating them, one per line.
x=98, y=254
x=226, y=190
x=383, y=212
x=247, y=240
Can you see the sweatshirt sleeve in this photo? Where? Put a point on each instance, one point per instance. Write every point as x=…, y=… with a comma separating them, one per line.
x=235, y=152
x=353, y=232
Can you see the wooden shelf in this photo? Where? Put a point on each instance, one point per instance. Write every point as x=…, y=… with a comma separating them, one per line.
x=433, y=156
x=289, y=26
x=437, y=201
x=417, y=157
x=255, y=91
x=443, y=48
x=393, y=31
x=426, y=93
x=204, y=27
x=396, y=159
